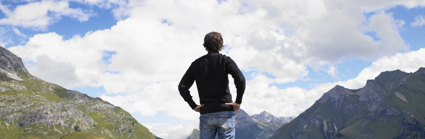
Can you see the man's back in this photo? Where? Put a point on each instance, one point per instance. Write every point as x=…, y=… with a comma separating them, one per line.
x=211, y=75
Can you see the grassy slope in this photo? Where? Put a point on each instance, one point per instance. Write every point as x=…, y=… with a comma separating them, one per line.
x=37, y=88
x=80, y=135
x=363, y=123
x=389, y=126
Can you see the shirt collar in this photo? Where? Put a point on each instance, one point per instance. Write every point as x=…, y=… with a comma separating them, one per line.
x=210, y=52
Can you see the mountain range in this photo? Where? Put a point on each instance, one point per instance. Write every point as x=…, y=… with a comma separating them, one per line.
x=390, y=106
x=257, y=126
x=33, y=108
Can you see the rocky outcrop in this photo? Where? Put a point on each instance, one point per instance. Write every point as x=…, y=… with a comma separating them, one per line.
x=10, y=62
x=12, y=117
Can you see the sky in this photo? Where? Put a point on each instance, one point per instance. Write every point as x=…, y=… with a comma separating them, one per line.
x=133, y=53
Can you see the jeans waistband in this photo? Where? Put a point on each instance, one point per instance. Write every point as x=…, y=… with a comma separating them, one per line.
x=219, y=114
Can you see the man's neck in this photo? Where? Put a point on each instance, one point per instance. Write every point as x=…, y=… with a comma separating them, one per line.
x=211, y=52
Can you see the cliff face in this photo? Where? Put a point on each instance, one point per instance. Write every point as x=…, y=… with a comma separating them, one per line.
x=390, y=106
x=10, y=62
x=31, y=107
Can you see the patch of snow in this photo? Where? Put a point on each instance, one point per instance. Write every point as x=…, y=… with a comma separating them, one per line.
x=11, y=75
x=401, y=96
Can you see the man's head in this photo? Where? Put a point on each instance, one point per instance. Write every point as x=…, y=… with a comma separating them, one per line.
x=213, y=42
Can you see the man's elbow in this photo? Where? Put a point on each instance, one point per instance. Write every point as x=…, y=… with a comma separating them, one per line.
x=182, y=89
x=241, y=79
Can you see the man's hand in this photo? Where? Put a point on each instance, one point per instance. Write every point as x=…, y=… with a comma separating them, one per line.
x=198, y=108
x=235, y=105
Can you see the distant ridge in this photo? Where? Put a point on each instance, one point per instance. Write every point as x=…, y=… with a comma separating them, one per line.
x=257, y=126
x=390, y=106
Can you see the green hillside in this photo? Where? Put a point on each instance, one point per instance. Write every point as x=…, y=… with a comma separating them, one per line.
x=390, y=106
x=33, y=108
x=79, y=135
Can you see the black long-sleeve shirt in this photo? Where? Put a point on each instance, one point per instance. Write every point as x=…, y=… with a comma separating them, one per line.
x=211, y=75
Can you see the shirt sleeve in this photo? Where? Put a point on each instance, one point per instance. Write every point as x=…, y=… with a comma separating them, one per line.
x=238, y=77
x=184, y=85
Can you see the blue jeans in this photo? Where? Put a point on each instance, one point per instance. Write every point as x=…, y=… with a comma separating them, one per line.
x=221, y=124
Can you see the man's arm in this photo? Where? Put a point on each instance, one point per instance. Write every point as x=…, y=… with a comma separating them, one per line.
x=184, y=85
x=238, y=77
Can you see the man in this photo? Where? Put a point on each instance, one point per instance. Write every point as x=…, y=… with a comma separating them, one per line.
x=211, y=75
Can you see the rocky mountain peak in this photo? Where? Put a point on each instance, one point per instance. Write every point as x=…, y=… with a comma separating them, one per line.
x=265, y=113
x=391, y=79
x=244, y=116
x=420, y=71
x=264, y=116
x=336, y=93
x=10, y=62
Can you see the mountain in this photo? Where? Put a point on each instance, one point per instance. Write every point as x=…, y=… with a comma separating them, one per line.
x=268, y=117
x=257, y=126
x=390, y=106
x=33, y=108
x=194, y=135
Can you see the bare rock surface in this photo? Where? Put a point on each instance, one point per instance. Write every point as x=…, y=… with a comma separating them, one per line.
x=10, y=62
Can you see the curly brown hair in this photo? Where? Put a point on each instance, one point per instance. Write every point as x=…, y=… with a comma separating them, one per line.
x=213, y=42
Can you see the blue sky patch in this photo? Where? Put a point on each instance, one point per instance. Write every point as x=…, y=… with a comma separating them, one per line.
x=2, y=15
x=373, y=35
x=91, y=91
x=68, y=27
x=165, y=21
x=414, y=36
x=226, y=48
x=65, y=26
x=244, y=8
x=220, y=1
x=107, y=56
x=113, y=72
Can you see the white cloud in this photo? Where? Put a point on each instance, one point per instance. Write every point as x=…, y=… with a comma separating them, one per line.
x=180, y=131
x=120, y=8
x=54, y=71
x=40, y=14
x=419, y=21
x=332, y=70
x=19, y=33
x=49, y=49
